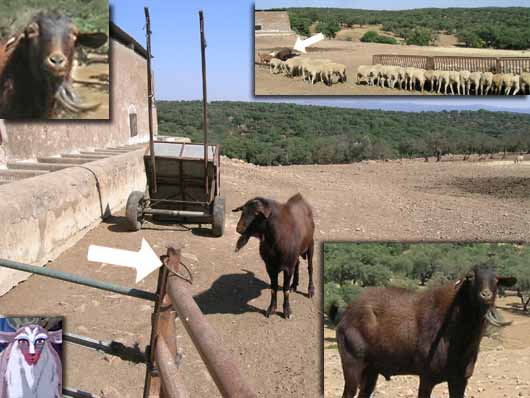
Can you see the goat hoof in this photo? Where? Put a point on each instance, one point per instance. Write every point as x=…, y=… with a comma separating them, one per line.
x=287, y=314
x=294, y=288
x=270, y=310
x=311, y=291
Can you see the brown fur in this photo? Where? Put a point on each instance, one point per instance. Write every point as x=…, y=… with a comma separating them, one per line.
x=434, y=334
x=285, y=232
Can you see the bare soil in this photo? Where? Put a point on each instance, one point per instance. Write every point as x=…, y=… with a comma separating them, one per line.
x=502, y=370
x=351, y=54
x=91, y=82
x=401, y=200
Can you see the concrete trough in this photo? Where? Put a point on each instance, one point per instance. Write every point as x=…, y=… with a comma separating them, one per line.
x=80, y=156
x=63, y=160
x=106, y=154
x=13, y=175
x=37, y=166
x=46, y=215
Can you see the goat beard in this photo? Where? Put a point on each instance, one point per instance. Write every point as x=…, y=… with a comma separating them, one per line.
x=67, y=97
x=242, y=241
x=493, y=317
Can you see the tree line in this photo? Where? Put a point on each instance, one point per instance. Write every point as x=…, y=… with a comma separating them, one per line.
x=351, y=267
x=486, y=27
x=285, y=134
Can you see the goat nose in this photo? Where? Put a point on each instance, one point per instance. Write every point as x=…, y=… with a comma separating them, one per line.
x=486, y=294
x=57, y=59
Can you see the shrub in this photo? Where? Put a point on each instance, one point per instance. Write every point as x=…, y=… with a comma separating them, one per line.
x=420, y=37
x=373, y=37
x=328, y=28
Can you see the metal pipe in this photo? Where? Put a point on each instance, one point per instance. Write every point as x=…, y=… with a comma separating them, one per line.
x=70, y=392
x=150, y=99
x=79, y=280
x=177, y=213
x=221, y=367
x=169, y=371
x=204, y=103
x=111, y=348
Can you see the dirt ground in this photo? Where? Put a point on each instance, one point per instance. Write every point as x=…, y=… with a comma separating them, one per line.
x=352, y=54
x=91, y=82
x=502, y=370
x=409, y=200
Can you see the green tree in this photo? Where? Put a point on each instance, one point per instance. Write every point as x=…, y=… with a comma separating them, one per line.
x=420, y=36
x=328, y=28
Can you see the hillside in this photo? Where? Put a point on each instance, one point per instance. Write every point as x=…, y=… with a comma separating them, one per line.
x=281, y=133
x=494, y=27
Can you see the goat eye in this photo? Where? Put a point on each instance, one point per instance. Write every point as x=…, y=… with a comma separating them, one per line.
x=73, y=37
x=23, y=342
x=39, y=341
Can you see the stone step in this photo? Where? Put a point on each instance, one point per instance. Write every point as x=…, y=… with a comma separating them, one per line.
x=12, y=175
x=91, y=156
x=63, y=160
x=37, y=166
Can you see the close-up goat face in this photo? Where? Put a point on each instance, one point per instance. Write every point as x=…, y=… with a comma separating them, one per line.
x=484, y=283
x=254, y=210
x=50, y=40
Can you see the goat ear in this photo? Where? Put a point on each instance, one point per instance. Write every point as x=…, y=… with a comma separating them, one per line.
x=264, y=209
x=6, y=337
x=458, y=283
x=91, y=39
x=506, y=281
x=56, y=336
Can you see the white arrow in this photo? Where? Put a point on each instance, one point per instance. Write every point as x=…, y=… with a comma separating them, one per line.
x=301, y=45
x=144, y=261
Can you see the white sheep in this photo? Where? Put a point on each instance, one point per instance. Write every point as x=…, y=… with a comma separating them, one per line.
x=486, y=82
x=465, y=75
x=364, y=73
x=518, y=159
x=524, y=80
x=331, y=69
x=474, y=81
x=276, y=66
x=509, y=81
x=292, y=66
x=496, y=84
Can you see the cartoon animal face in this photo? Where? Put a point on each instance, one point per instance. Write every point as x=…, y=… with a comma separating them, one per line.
x=30, y=340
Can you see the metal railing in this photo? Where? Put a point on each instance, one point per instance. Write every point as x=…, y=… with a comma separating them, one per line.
x=172, y=298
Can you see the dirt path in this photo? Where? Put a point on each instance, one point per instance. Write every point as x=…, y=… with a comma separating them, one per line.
x=502, y=370
x=351, y=54
x=365, y=201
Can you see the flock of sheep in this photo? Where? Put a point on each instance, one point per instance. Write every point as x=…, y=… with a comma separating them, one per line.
x=311, y=70
x=461, y=82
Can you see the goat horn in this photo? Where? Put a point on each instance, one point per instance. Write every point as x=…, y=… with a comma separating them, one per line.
x=493, y=317
x=69, y=100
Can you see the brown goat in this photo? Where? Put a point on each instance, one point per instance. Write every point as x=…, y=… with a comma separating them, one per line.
x=264, y=58
x=284, y=54
x=36, y=65
x=434, y=334
x=285, y=232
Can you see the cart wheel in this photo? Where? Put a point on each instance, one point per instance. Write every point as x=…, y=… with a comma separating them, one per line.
x=135, y=210
x=218, y=224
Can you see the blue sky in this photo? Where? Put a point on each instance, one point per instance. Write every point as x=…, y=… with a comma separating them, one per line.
x=229, y=34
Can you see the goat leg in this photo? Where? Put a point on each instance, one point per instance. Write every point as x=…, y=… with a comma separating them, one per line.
x=311, y=286
x=457, y=387
x=294, y=285
x=274, y=292
x=286, y=283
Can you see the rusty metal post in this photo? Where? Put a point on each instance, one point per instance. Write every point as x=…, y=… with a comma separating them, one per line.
x=152, y=379
x=150, y=99
x=204, y=104
x=220, y=365
x=172, y=384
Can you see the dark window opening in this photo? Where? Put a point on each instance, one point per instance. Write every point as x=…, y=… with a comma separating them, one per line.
x=257, y=27
x=133, y=124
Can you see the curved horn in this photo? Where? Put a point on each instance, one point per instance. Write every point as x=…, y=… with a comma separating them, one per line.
x=493, y=317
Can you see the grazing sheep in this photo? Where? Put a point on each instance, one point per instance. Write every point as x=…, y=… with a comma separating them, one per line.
x=509, y=81
x=329, y=70
x=366, y=73
x=434, y=334
x=497, y=84
x=276, y=66
x=524, y=80
x=486, y=83
x=292, y=66
x=264, y=58
x=465, y=76
x=474, y=81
